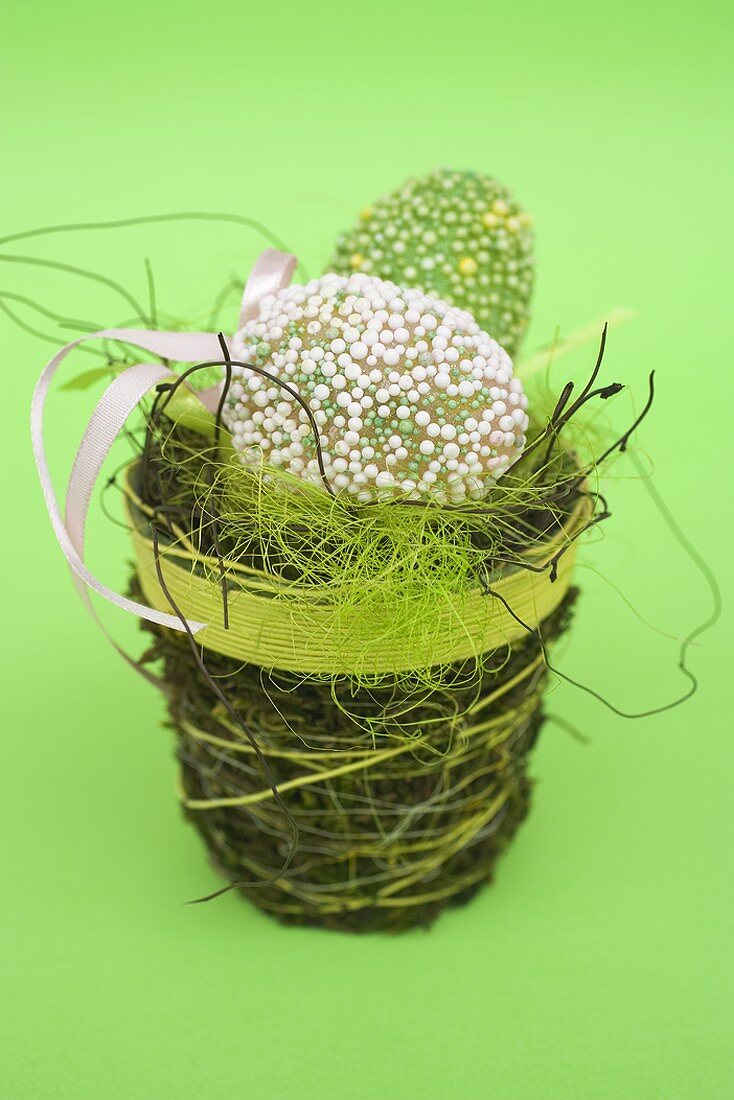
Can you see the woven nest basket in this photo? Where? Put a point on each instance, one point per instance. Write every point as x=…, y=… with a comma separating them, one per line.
x=394, y=822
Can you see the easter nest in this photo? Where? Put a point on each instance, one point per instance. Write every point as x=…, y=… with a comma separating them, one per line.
x=370, y=566
x=338, y=779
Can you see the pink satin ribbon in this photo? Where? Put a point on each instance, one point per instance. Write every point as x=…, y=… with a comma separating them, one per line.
x=271, y=272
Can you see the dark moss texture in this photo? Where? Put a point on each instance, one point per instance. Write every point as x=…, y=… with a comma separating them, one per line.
x=371, y=828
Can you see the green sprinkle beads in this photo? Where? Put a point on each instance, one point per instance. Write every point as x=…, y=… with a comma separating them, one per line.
x=461, y=237
x=410, y=395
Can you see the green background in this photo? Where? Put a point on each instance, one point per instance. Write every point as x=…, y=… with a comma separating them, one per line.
x=599, y=963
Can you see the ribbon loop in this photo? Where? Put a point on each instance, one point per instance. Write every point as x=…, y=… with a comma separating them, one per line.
x=272, y=271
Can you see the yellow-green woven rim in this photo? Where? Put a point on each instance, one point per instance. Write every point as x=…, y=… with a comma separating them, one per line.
x=291, y=627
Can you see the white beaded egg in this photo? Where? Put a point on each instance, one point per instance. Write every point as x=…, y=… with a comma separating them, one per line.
x=410, y=396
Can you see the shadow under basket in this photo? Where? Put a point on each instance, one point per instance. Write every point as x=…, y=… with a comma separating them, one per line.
x=388, y=836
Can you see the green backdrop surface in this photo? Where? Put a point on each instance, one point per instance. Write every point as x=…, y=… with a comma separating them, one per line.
x=598, y=966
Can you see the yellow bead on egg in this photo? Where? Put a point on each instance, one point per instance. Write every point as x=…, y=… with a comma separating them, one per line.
x=468, y=265
x=458, y=236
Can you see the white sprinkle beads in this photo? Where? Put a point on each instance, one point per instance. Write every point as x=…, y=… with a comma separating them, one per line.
x=410, y=396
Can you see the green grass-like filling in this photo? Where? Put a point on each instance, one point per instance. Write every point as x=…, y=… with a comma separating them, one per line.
x=388, y=566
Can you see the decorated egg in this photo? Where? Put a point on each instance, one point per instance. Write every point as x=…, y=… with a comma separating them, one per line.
x=461, y=237
x=410, y=396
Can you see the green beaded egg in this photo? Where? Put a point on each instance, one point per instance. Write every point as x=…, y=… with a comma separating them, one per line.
x=458, y=236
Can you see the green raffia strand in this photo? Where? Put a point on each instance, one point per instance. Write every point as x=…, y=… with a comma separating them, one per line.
x=186, y=410
x=405, y=787
x=460, y=236
x=546, y=358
